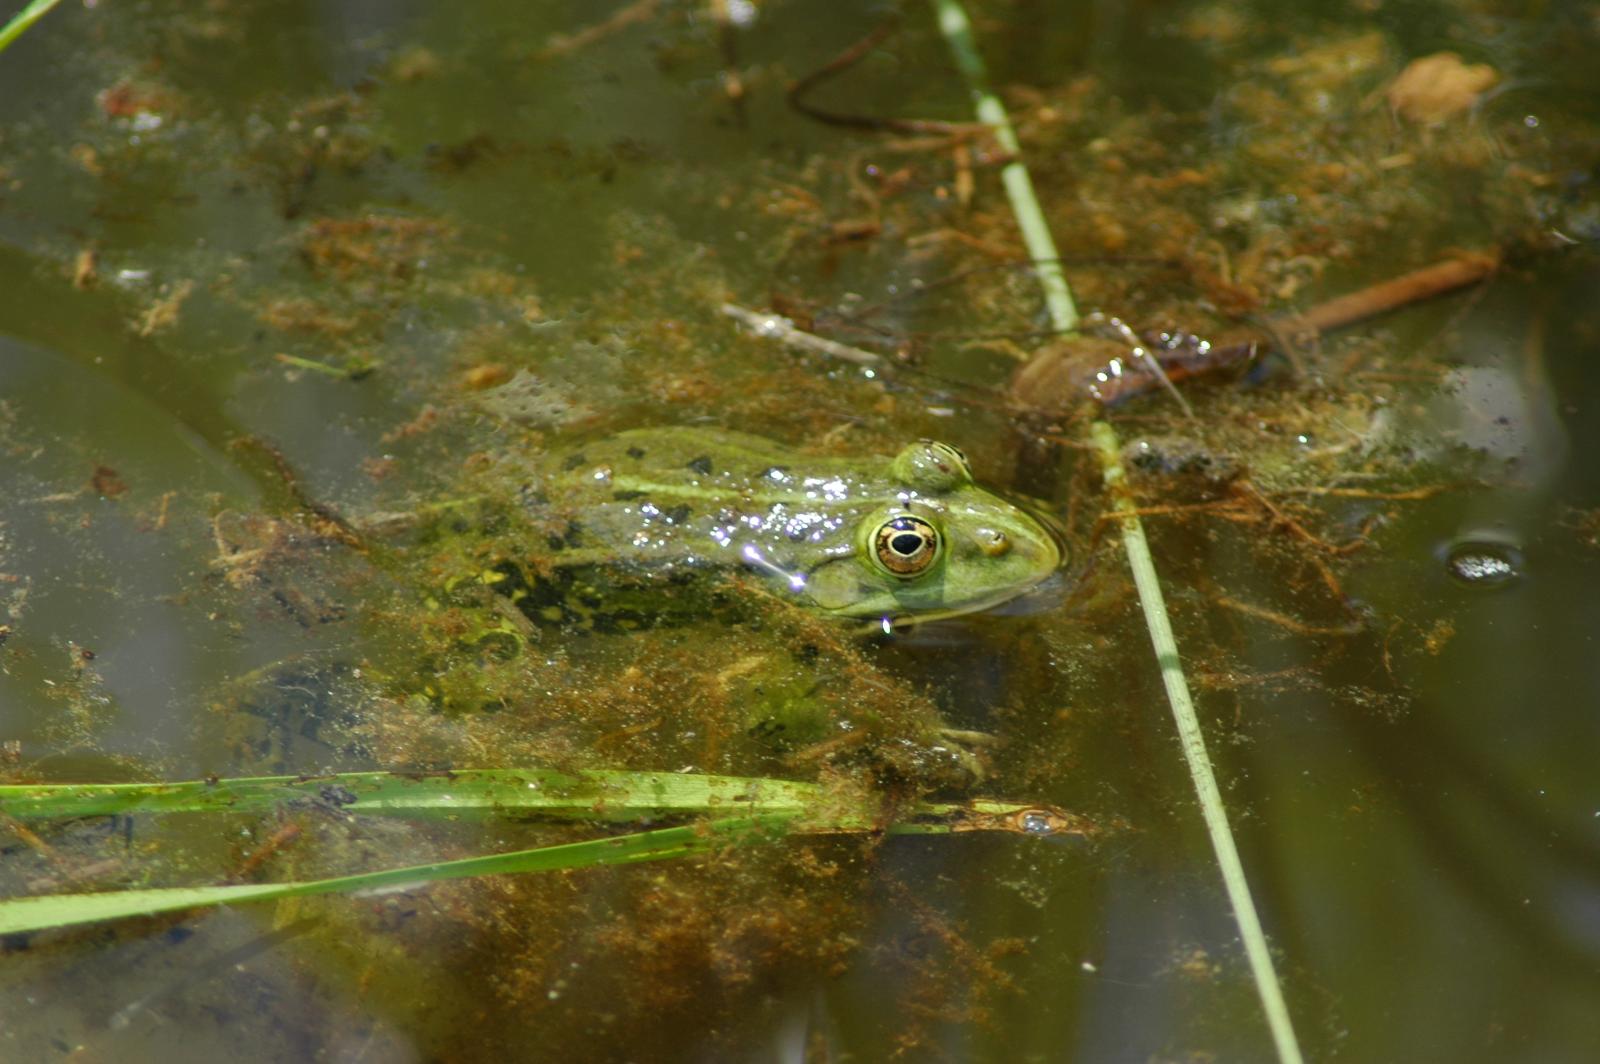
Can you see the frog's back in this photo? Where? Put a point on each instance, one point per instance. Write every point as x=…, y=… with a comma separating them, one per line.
x=707, y=497
x=707, y=460
x=855, y=536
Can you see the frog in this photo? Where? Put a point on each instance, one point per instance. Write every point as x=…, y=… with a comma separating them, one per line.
x=881, y=538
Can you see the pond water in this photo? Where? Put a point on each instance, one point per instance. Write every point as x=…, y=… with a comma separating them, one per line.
x=295, y=299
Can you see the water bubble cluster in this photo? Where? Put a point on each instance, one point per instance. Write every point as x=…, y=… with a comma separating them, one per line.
x=1037, y=823
x=1483, y=563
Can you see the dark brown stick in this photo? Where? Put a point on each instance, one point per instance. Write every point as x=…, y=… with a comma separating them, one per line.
x=844, y=61
x=1414, y=287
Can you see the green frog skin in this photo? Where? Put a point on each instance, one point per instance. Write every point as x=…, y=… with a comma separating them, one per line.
x=903, y=538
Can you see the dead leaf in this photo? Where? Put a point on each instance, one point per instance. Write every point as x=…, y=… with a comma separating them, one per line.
x=1436, y=88
x=107, y=483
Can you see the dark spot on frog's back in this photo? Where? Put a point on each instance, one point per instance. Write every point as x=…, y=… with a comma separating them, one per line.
x=572, y=537
x=627, y=496
x=678, y=514
x=573, y=461
x=635, y=453
x=701, y=465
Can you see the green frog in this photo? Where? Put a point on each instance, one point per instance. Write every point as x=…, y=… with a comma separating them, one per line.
x=886, y=539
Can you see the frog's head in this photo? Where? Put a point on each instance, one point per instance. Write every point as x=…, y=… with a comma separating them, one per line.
x=944, y=546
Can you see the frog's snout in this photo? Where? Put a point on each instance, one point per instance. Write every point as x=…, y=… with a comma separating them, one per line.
x=1052, y=543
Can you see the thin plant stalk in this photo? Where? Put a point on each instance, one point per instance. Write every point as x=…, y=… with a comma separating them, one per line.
x=1014, y=175
x=1194, y=745
x=49, y=911
x=953, y=23
x=769, y=807
x=23, y=19
x=587, y=795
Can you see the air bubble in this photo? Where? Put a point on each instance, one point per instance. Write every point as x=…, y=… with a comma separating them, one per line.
x=1037, y=823
x=1483, y=563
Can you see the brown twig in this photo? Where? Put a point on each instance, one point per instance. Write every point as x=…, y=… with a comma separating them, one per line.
x=1299, y=531
x=27, y=835
x=560, y=44
x=1414, y=287
x=1283, y=620
x=983, y=247
x=780, y=328
x=844, y=61
x=324, y=519
x=1282, y=333
x=1388, y=659
x=1362, y=493
x=1221, y=507
x=278, y=840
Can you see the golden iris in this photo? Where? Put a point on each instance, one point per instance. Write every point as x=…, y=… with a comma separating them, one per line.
x=905, y=546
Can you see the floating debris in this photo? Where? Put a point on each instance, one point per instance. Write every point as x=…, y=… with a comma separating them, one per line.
x=1435, y=88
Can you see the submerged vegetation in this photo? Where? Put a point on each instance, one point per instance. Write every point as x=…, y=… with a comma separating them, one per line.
x=420, y=287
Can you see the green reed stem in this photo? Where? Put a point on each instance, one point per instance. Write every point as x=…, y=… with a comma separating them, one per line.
x=51, y=911
x=1063, y=314
x=23, y=19
x=769, y=808
x=1014, y=175
x=1194, y=745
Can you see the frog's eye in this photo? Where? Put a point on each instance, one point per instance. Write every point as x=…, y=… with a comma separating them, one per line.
x=953, y=455
x=905, y=546
x=929, y=465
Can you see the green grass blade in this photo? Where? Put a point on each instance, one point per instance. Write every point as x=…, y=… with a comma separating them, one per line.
x=592, y=795
x=812, y=812
x=957, y=30
x=765, y=805
x=611, y=795
x=65, y=910
x=23, y=19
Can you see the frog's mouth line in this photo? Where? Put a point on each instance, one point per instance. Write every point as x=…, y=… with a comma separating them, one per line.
x=1053, y=526
x=1047, y=594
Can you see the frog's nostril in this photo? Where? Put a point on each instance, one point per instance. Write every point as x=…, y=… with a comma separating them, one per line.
x=993, y=542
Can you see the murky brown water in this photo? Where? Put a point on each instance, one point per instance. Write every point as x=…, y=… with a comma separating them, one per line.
x=261, y=261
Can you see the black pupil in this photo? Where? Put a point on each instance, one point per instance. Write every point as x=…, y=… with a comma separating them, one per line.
x=906, y=543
